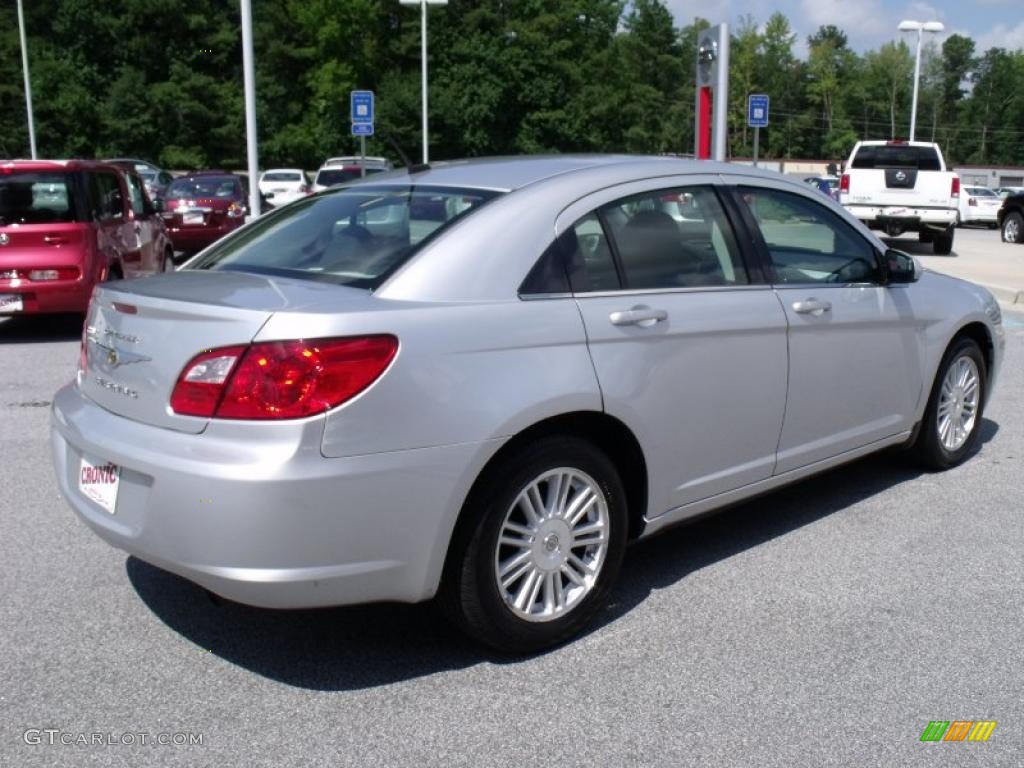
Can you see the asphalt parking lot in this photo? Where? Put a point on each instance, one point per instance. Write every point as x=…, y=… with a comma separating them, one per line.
x=824, y=625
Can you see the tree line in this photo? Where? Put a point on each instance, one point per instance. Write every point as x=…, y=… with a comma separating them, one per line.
x=163, y=81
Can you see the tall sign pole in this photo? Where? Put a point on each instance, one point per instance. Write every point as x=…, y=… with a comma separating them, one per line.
x=712, y=102
x=249, y=84
x=28, y=84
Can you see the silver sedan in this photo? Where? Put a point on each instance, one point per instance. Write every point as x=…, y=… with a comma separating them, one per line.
x=480, y=380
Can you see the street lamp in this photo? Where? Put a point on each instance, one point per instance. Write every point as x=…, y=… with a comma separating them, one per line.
x=920, y=27
x=423, y=54
x=28, y=84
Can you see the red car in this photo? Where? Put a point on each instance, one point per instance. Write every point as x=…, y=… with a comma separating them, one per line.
x=203, y=207
x=67, y=225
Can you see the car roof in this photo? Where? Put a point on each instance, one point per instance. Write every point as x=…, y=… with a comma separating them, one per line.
x=507, y=174
x=55, y=165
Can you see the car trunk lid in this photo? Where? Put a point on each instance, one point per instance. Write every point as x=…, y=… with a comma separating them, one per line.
x=140, y=334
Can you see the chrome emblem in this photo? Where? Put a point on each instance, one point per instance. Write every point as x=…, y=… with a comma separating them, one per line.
x=4, y=238
x=901, y=176
x=120, y=389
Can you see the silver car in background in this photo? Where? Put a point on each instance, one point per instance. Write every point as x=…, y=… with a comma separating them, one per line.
x=482, y=379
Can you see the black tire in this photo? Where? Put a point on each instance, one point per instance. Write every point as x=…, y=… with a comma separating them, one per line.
x=924, y=236
x=942, y=245
x=928, y=448
x=1013, y=228
x=470, y=592
x=114, y=273
x=168, y=262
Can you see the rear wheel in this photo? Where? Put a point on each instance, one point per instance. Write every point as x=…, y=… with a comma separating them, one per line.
x=168, y=263
x=1013, y=228
x=547, y=539
x=953, y=415
x=942, y=244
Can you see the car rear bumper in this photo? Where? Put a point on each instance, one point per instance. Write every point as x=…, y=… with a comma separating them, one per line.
x=39, y=298
x=267, y=520
x=907, y=216
x=987, y=217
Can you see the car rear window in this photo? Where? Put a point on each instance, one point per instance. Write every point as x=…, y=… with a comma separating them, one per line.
x=354, y=236
x=203, y=187
x=281, y=176
x=40, y=197
x=981, y=192
x=897, y=156
x=332, y=176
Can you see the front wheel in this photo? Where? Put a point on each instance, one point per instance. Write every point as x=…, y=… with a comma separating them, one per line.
x=547, y=539
x=1013, y=228
x=950, y=426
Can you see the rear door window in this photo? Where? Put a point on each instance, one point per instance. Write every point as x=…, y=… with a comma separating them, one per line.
x=674, y=238
x=37, y=198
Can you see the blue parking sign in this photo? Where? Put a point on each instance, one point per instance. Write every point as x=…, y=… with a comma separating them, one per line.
x=362, y=106
x=757, y=110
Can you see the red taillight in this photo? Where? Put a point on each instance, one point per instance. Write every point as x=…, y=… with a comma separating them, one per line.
x=844, y=183
x=201, y=384
x=281, y=379
x=954, y=189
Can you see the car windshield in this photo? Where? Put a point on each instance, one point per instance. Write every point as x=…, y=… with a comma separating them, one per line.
x=203, y=187
x=282, y=176
x=897, y=156
x=355, y=236
x=36, y=198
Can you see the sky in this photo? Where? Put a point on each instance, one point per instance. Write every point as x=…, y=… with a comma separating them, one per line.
x=869, y=23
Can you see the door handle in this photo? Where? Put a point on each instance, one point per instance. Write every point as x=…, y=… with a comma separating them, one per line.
x=645, y=317
x=812, y=306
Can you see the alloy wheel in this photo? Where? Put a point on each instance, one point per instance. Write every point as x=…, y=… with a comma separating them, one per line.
x=552, y=545
x=958, y=403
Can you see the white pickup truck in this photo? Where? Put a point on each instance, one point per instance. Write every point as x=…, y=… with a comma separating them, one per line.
x=902, y=186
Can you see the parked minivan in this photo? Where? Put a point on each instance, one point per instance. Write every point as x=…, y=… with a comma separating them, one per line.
x=67, y=225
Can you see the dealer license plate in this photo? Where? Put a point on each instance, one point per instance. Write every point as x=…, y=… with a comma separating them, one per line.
x=10, y=302
x=99, y=480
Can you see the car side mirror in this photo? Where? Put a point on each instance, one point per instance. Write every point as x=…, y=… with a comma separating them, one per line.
x=157, y=205
x=901, y=267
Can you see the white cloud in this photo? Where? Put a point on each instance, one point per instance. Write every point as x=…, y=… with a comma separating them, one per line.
x=1002, y=36
x=857, y=19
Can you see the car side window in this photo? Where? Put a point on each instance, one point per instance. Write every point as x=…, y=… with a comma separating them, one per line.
x=675, y=238
x=106, y=193
x=135, y=193
x=808, y=243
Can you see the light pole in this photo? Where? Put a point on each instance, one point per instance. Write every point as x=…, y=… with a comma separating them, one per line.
x=423, y=54
x=920, y=27
x=28, y=85
x=249, y=88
